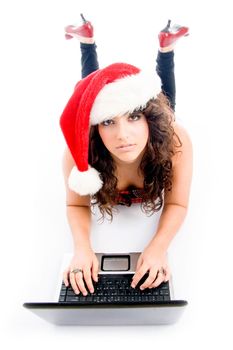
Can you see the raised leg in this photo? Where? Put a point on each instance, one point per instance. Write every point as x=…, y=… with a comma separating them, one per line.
x=89, y=59
x=85, y=35
x=165, y=59
x=165, y=69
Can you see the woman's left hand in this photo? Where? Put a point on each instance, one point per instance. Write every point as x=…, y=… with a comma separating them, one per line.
x=153, y=261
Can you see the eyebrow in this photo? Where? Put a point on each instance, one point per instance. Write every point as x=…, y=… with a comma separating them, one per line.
x=124, y=115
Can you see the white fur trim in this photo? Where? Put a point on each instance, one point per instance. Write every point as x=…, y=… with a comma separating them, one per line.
x=125, y=95
x=84, y=182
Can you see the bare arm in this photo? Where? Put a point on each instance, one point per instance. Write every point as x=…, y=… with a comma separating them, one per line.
x=77, y=207
x=79, y=218
x=176, y=201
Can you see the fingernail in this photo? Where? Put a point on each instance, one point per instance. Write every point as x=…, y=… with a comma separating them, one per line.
x=142, y=288
x=133, y=285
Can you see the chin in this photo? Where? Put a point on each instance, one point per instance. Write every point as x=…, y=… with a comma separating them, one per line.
x=128, y=158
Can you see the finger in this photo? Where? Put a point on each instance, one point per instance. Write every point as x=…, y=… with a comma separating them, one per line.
x=80, y=282
x=150, y=279
x=73, y=283
x=95, y=270
x=88, y=280
x=138, y=276
x=168, y=274
x=65, y=277
x=159, y=280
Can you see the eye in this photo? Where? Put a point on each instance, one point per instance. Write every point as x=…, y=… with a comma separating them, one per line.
x=107, y=122
x=135, y=117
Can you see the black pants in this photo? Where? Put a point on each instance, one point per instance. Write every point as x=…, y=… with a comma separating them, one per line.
x=164, y=68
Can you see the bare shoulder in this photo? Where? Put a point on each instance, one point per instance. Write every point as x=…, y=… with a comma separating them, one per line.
x=181, y=132
x=67, y=162
x=184, y=143
x=182, y=164
x=72, y=198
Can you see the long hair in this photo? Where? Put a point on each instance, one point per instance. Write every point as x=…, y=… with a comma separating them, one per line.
x=155, y=166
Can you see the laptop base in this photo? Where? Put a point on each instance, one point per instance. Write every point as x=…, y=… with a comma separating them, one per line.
x=72, y=314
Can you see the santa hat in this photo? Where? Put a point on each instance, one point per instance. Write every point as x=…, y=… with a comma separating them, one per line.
x=112, y=91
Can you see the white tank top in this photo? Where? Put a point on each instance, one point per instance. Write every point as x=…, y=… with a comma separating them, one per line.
x=130, y=231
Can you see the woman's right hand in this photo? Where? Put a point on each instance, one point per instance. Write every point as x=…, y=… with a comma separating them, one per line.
x=86, y=260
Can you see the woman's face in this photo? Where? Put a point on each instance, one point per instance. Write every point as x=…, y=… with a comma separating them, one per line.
x=125, y=137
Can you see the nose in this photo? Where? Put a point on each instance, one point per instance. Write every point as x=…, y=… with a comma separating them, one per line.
x=122, y=130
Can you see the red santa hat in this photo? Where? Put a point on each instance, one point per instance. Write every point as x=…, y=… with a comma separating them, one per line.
x=115, y=90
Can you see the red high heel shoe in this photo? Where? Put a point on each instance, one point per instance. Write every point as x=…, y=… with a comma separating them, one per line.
x=169, y=35
x=85, y=31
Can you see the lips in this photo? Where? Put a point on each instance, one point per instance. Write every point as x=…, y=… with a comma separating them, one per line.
x=125, y=146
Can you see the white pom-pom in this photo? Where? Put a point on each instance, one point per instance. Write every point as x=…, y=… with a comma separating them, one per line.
x=85, y=182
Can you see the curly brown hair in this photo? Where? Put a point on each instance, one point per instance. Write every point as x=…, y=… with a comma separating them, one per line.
x=156, y=164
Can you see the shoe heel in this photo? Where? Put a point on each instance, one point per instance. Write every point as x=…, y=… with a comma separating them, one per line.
x=84, y=20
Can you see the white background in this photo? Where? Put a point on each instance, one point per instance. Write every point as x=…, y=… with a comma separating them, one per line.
x=38, y=71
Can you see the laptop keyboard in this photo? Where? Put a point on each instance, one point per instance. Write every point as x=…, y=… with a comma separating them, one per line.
x=115, y=289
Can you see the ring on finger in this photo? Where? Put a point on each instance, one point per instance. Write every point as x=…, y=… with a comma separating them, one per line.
x=162, y=271
x=76, y=271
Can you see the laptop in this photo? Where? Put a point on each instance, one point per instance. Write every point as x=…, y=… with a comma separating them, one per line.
x=113, y=302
